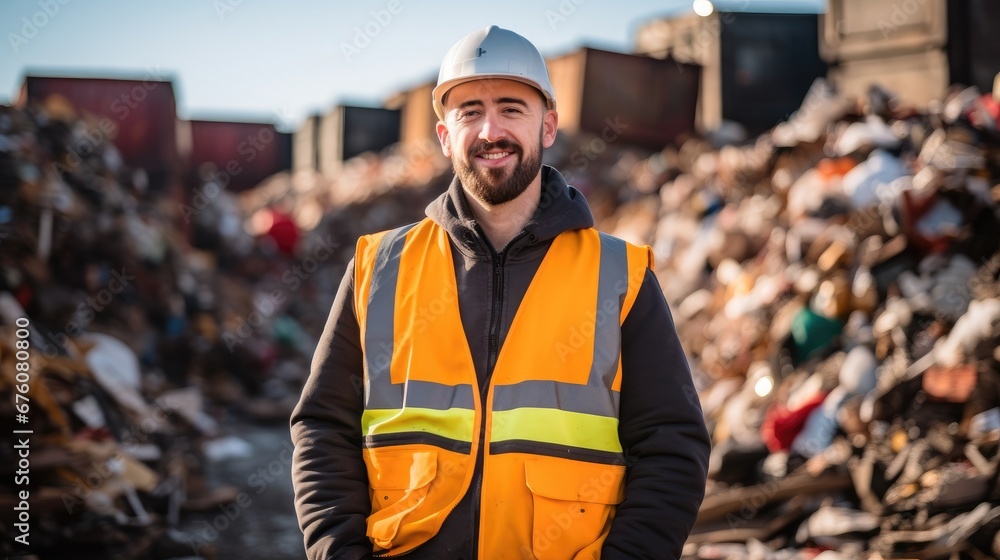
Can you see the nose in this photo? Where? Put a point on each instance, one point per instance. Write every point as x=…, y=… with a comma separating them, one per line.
x=493, y=129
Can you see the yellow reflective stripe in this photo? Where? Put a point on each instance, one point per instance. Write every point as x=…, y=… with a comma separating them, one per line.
x=561, y=427
x=453, y=423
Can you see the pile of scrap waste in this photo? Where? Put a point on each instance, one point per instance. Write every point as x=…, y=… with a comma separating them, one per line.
x=834, y=282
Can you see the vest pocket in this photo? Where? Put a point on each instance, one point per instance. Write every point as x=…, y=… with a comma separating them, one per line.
x=573, y=504
x=398, y=481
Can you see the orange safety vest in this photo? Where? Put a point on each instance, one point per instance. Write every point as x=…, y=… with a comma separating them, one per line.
x=553, y=467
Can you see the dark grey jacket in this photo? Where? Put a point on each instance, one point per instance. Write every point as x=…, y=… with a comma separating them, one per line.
x=661, y=428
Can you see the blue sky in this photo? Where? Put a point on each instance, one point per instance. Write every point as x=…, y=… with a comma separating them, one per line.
x=281, y=61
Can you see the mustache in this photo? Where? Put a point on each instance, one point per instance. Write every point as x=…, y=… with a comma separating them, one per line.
x=503, y=145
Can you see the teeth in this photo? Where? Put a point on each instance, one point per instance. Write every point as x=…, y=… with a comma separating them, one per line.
x=495, y=156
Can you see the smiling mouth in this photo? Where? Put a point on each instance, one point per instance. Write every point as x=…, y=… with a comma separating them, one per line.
x=497, y=150
x=498, y=155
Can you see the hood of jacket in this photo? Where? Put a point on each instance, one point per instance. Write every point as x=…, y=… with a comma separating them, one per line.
x=561, y=208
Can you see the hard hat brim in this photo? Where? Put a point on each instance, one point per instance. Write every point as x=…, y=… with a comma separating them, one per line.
x=443, y=88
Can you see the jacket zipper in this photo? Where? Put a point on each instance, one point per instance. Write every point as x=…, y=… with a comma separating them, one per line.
x=491, y=358
x=492, y=355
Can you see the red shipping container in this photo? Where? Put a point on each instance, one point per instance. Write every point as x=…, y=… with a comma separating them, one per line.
x=142, y=112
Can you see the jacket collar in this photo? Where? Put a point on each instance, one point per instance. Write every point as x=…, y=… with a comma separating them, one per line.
x=561, y=208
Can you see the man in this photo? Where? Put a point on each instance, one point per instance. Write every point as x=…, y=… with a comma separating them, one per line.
x=499, y=380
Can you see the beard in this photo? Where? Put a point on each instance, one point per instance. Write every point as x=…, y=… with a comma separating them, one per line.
x=496, y=185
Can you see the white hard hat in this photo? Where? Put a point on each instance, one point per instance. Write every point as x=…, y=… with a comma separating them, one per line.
x=492, y=53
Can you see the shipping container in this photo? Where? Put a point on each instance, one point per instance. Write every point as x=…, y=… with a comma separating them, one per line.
x=915, y=48
x=756, y=67
x=368, y=129
x=142, y=113
x=973, y=42
x=242, y=153
x=917, y=78
x=417, y=117
x=346, y=132
x=305, y=142
x=876, y=28
x=769, y=61
x=640, y=100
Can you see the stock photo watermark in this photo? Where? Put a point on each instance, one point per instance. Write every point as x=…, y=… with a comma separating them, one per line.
x=267, y=306
x=259, y=480
x=33, y=24
x=365, y=34
x=563, y=12
x=106, y=129
x=901, y=15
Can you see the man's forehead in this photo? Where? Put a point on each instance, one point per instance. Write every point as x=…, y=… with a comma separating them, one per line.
x=490, y=89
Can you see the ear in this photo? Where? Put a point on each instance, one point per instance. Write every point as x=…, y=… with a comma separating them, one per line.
x=550, y=125
x=443, y=137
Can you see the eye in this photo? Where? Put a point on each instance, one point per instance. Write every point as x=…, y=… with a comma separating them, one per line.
x=468, y=114
x=513, y=110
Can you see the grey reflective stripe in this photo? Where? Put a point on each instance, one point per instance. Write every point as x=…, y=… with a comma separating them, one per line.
x=611, y=288
x=586, y=399
x=380, y=392
x=596, y=397
x=427, y=394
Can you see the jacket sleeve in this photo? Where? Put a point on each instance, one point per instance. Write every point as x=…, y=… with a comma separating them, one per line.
x=662, y=431
x=328, y=472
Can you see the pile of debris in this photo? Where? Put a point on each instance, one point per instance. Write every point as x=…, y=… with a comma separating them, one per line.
x=835, y=283
x=124, y=349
